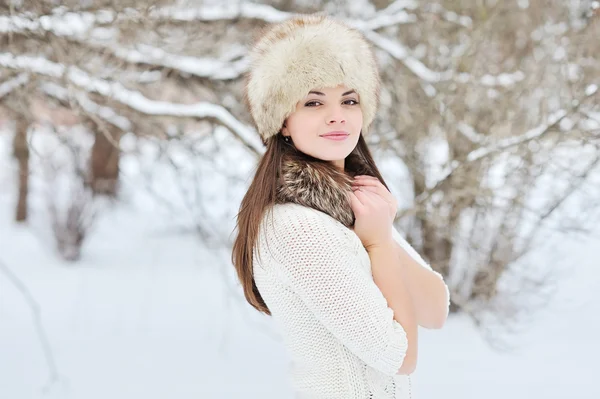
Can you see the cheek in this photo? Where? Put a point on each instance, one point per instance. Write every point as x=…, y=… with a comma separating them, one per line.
x=303, y=125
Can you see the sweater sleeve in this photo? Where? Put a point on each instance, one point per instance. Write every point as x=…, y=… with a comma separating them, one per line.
x=419, y=259
x=315, y=259
x=408, y=248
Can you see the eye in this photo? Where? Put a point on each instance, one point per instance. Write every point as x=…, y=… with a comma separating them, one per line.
x=311, y=102
x=355, y=102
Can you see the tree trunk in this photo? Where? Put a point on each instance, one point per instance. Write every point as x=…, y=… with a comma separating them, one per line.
x=21, y=153
x=104, y=166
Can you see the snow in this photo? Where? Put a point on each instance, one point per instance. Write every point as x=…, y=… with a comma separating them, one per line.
x=82, y=27
x=398, y=51
x=132, y=98
x=400, y=5
x=11, y=84
x=469, y=132
x=503, y=79
x=512, y=141
x=63, y=25
x=203, y=67
x=439, y=175
x=382, y=20
x=88, y=105
x=229, y=11
x=151, y=312
x=80, y=24
x=34, y=64
x=593, y=122
x=449, y=16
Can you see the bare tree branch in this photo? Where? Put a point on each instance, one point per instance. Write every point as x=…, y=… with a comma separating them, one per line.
x=11, y=84
x=37, y=319
x=134, y=99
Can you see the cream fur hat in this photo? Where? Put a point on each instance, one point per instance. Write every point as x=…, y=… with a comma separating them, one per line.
x=302, y=54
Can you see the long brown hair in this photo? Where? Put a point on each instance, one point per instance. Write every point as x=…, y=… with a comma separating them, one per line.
x=261, y=195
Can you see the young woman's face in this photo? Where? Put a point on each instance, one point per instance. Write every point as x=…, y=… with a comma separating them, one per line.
x=321, y=112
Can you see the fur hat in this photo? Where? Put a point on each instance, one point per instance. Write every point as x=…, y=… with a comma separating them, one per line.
x=301, y=54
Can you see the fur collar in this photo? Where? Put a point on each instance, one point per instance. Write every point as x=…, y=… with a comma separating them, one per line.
x=318, y=184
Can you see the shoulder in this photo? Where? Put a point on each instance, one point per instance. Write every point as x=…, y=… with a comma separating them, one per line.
x=299, y=240
x=292, y=214
x=293, y=223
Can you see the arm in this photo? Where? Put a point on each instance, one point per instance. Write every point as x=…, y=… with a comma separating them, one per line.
x=429, y=293
x=388, y=275
x=314, y=259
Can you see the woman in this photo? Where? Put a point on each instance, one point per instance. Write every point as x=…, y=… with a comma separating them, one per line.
x=316, y=248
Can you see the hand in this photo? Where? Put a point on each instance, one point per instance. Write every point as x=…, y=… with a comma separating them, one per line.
x=373, y=224
x=372, y=184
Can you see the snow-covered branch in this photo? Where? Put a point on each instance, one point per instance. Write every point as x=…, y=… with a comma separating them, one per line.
x=501, y=145
x=61, y=23
x=381, y=20
x=591, y=90
x=105, y=113
x=83, y=28
x=500, y=80
x=399, y=5
x=202, y=67
x=470, y=133
x=399, y=52
x=509, y=142
x=223, y=12
x=132, y=98
x=11, y=84
x=595, y=116
x=449, y=16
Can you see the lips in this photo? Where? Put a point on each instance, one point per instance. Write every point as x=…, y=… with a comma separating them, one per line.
x=335, y=134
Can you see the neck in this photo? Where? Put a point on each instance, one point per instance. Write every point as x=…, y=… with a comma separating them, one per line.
x=339, y=164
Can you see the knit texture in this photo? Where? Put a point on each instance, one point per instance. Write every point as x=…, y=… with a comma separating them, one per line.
x=315, y=276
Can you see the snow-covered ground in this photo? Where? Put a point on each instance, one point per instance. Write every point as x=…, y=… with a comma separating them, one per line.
x=148, y=312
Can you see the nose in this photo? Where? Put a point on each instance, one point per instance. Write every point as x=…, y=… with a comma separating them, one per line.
x=336, y=115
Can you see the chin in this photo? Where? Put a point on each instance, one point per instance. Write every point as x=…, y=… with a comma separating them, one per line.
x=327, y=152
x=332, y=155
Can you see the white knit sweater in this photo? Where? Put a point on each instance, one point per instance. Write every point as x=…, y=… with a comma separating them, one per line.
x=315, y=276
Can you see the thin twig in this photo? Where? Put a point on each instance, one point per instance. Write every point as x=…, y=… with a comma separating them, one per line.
x=39, y=326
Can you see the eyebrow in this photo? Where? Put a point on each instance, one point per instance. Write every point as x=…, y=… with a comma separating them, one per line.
x=322, y=94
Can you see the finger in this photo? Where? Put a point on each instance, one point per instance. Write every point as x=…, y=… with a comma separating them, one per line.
x=365, y=178
x=380, y=190
x=364, y=196
x=375, y=198
x=369, y=182
x=371, y=189
x=355, y=202
x=371, y=197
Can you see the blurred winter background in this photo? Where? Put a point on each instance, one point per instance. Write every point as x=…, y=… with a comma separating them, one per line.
x=126, y=147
